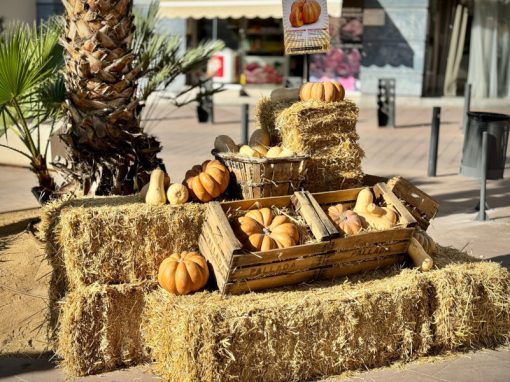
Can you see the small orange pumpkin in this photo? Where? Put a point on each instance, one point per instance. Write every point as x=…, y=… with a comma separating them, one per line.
x=311, y=11
x=183, y=273
x=322, y=91
x=345, y=219
x=207, y=181
x=259, y=230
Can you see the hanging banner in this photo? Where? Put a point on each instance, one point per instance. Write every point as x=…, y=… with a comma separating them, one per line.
x=306, y=26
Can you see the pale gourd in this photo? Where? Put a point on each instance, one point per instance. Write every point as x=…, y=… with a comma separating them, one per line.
x=225, y=144
x=260, y=137
x=177, y=194
x=274, y=152
x=380, y=218
x=156, y=192
x=262, y=150
x=247, y=151
x=286, y=153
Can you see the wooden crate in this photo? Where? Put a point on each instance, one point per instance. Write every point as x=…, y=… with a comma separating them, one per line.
x=264, y=177
x=238, y=270
x=421, y=205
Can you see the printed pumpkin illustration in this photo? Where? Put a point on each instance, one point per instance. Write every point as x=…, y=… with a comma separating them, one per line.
x=304, y=12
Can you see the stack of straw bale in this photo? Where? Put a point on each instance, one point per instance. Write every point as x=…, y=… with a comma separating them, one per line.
x=105, y=254
x=325, y=131
x=324, y=329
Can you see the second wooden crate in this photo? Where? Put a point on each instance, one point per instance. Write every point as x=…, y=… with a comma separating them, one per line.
x=238, y=270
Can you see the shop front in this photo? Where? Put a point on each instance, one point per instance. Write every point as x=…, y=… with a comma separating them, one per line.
x=253, y=34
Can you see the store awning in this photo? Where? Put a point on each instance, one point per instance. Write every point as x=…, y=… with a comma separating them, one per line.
x=223, y=9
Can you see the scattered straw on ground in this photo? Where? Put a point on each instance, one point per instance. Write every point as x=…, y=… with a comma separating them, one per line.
x=100, y=328
x=317, y=330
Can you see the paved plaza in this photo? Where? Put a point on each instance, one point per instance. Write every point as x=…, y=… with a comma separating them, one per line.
x=389, y=151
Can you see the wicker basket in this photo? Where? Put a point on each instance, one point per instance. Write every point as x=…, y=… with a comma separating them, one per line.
x=263, y=177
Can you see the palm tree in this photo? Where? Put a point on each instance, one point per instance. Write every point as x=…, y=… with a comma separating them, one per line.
x=31, y=92
x=108, y=151
x=107, y=52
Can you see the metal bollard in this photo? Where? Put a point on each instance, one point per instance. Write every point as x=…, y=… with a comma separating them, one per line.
x=434, y=141
x=245, y=117
x=467, y=106
x=386, y=102
x=483, y=178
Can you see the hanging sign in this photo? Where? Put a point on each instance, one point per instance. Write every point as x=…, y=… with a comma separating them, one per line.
x=306, y=26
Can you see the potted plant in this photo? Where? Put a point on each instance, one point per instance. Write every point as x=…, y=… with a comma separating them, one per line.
x=32, y=93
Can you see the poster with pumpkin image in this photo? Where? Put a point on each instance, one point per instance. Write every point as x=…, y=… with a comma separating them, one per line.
x=306, y=26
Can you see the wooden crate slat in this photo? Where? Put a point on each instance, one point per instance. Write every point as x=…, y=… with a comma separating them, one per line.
x=373, y=237
x=304, y=207
x=317, y=261
x=359, y=266
x=219, y=257
x=333, y=232
x=406, y=218
x=335, y=197
x=269, y=282
x=219, y=218
x=271, y=256
x=413, y=195
x=220, y=273
x=299, y=277
x=248, y=204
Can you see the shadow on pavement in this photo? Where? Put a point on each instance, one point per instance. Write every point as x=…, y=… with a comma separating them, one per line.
x=16, y=364
x=503, y=260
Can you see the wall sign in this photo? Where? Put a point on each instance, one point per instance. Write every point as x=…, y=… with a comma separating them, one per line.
x=306, y=26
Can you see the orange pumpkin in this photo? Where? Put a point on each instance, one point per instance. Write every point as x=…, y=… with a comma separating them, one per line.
x=183, y=273
x=347, y=220
x=259, y=230
x=311, y=11
x=322, y=91
x=207, y=181
x=296, y=16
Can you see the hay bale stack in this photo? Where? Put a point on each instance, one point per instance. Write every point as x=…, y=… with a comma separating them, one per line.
x=126, y=243
x=326, y=132
x=100, y=328
x=324, y=329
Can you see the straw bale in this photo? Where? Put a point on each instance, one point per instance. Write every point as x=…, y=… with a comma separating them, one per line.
x=100, y=328
x=126, y=243
x=321, y=329
x=327, y=133
x=266, y=112
x=472, y=306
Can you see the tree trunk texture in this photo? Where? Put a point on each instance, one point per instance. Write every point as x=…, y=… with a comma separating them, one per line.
x=108, y=152
x=40, y=169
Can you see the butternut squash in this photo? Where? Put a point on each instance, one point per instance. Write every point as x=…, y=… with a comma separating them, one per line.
x=156, y=192
x=380, y=218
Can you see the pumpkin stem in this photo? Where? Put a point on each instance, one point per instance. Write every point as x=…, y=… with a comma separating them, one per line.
x=266, y=231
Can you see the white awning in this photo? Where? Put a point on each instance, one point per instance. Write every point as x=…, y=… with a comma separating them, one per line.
x=236, y=9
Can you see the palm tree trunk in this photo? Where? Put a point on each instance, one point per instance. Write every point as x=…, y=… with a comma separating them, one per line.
x=108, y=153
x=47, y=186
